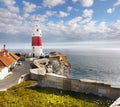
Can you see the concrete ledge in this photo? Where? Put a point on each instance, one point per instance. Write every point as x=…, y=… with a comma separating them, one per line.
x=24, y=77
x=56, y=75
x=116, y=103
x=95, y=82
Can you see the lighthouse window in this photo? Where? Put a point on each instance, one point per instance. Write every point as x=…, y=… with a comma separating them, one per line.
x=37, y=30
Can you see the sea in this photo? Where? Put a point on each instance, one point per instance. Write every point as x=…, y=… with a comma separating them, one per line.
x=95, y=64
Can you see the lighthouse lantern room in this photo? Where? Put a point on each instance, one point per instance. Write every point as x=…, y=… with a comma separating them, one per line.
x=36, y=40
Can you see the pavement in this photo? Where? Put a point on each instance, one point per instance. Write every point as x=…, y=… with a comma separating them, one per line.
x=13, y=78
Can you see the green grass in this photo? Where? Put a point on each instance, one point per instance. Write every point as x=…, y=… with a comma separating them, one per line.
x=22, y=96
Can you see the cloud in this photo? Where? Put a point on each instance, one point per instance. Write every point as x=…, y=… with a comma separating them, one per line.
x=9, y=2
x=76, y=30
x=84, y=3
x=52, y=3
x=29, y=7
x=63, y=14
x=50, y=13
x=103, y=0
x=116, y=25
x=26, y=15
x=14, y=9
x=87, y=3
x=69, y=8
x=117, y=3
x=44, y=17
x=90, y=27
x=17, y=27
x=103, y=27
x=110, y=10
x=11, y=5
x=88, y=13
x=75, y=21
x=74, y=1
x=12, y=25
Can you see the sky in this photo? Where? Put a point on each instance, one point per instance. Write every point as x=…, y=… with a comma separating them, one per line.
x=61, y=21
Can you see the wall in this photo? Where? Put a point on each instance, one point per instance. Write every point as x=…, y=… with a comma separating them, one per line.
x=3, y=73
x=24, y=77
x=82, y=85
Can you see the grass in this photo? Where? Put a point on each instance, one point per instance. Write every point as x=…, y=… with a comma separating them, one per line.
x=23, y=96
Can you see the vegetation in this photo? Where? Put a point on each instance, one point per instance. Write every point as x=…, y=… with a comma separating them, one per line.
x=23, y=96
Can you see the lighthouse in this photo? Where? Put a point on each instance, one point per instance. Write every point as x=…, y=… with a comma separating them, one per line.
x=36, y=40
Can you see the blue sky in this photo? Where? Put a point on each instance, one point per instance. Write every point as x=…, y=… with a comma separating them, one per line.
x=61, y=21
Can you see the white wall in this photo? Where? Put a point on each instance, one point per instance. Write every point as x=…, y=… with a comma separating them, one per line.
x=3, y=72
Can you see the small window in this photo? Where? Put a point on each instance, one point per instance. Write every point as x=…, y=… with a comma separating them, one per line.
x=37, y=30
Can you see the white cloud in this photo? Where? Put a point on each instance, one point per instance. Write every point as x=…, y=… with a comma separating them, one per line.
x=117, y=3
x=52, y=3
x=69, y=8
x=116, y=25
x=103, y=0
x=103, y=27
x=77, y=28
x=26, y=15
x=87, y=3
x=44, y=17
x=41, y=18
x=74, y=1
x=74, y=21
x=85, y=21
x=90, y=27
x=29, y=7
x=11, y=5
x=63, y=14
x=110, y=10
x=9, y=15
x=14, y=9
x=50, y=13
x=9, y=2
x=88, y=13
x=93, y=27
x=10, y=22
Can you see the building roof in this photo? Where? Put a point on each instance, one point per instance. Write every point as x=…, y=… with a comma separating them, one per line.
x=14, y=56
x=7, y=58
x=1, y=64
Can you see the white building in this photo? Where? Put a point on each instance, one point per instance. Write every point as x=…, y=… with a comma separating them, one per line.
x=7, y=61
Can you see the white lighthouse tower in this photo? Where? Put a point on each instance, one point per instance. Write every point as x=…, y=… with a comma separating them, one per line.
x=36, y=40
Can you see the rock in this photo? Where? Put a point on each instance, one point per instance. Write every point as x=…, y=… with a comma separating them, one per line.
x=56, y=63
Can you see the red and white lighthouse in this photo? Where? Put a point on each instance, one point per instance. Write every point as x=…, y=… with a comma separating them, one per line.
x=37, y=40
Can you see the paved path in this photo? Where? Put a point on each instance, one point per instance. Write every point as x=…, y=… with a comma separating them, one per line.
x=13, y=78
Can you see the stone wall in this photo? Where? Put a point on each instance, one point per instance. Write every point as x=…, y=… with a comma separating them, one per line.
x=82, y=85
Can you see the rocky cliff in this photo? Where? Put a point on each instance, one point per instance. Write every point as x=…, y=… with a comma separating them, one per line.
x=53, y=63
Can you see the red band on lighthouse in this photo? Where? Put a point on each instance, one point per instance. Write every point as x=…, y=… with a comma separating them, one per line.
x=36, y=41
